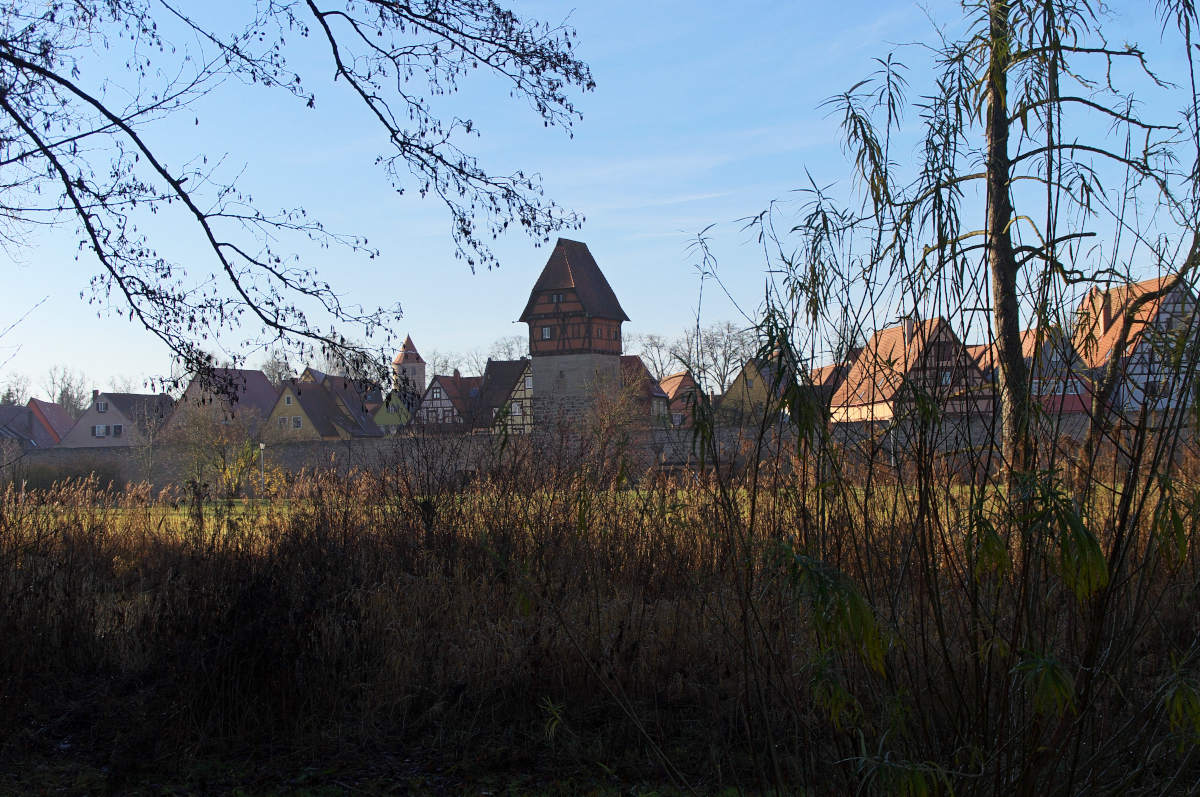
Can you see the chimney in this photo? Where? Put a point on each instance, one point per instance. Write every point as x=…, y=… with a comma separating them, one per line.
x=1105, y=312
x=457, y=375
x=95, y=395
x=909, y=329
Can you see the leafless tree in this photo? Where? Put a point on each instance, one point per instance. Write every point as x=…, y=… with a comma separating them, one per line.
x=716, y=353
x=474, y=362
x=277, y=368
x=78, y=146
x=15, y=388
x=123, y=383
x=443, y=363
x=656, y=351
x=510, y=347
x=69, y=388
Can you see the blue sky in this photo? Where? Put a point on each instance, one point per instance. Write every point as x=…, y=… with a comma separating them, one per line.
x=703, y=113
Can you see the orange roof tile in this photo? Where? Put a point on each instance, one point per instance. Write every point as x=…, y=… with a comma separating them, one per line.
x=879, y=371
x=1095, y=335
x=408, y=353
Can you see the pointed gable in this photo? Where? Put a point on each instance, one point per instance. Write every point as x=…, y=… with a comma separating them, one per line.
x=408, y=353
x=572, y=266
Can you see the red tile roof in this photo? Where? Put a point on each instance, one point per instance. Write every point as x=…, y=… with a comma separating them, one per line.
x=677, y=385
x=408, y=353
x=885, y=361
x=458, y=390
x=1094, y=339
x=571, y=265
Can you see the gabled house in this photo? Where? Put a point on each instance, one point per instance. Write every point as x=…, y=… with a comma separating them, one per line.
x=388, y=410
x=680, y=389
x=320, y=406
x=308, y=409
x=903, y=362
x=449, y=401
x=120, y=419
x=759, y=385
x=645, y=390
x=1157, y=346
x=1057, y=375
x=54, y=417
x=505, y=399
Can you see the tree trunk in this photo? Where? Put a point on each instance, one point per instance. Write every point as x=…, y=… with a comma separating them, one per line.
x=1010, y=362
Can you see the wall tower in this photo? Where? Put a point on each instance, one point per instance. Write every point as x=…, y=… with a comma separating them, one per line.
x=408, y=372
x=574, y=323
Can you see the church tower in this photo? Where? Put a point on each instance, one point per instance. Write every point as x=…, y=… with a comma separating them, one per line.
x=574, y=331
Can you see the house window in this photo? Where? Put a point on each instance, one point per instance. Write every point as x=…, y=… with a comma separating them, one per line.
x=297, y=422
x=545, y=333
x=437, y=393
x=474, y=392
x=750, y=383
x=117, y=429
x=101, y=406
x=945, y=377
x=529, y=383
x=282, y=423
x=393, y=408
x=677, y=419
x=516, y=409
x=287, y=400
x=449, y=417
x=99, y=431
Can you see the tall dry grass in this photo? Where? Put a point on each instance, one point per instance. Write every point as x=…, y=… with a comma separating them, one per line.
x=764, y=625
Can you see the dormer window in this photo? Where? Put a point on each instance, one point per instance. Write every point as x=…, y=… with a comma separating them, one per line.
x=474, y=392
x=101, y=406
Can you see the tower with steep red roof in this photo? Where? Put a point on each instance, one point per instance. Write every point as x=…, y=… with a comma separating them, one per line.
x=574, y=323
x=408, y=369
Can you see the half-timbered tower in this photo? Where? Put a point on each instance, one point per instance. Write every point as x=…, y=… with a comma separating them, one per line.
x=574, y=323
